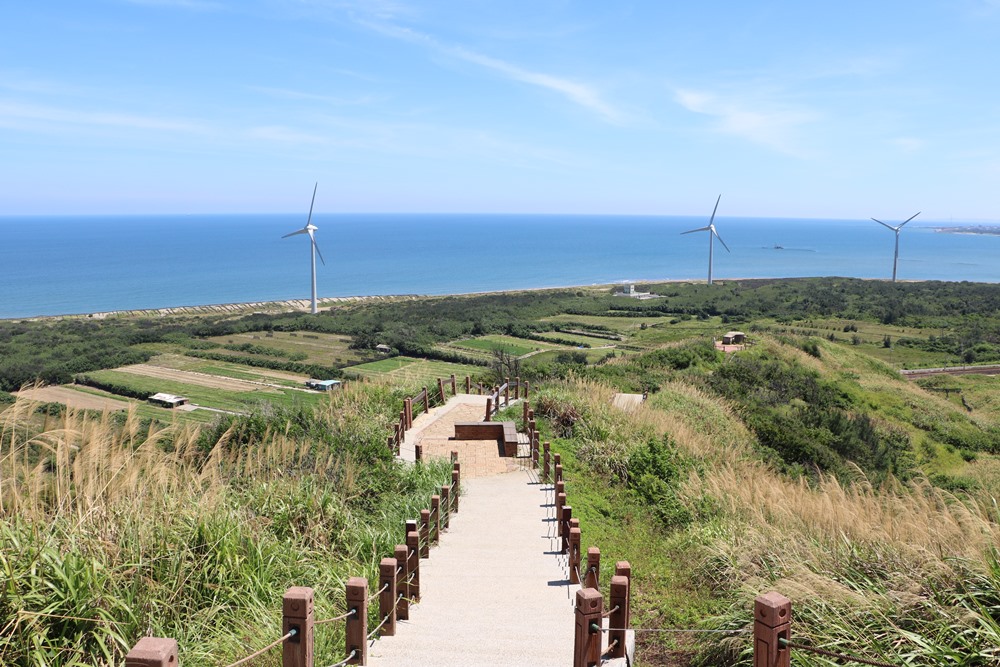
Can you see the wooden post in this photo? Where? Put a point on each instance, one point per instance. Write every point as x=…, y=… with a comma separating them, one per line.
x=567, y=514
x=391, y=444
x=454, y=490
x=587, y=636
x=435, y=519
x=624, y=569
x=548, y=461
x=402, y=419
x=489, y=409
x=410, y=525
x=387, y=598
x=441, y=390
x=592, y=577
x=425, y=533
x=356, y=632
x=418, y=452
x=454, y=456
x=445, y=506
x=524, y=414
x=454, y=387
x=574, y=556
x=402, y=599
x=468, y=384
x=506, y=392
x=560, y=501
x=517, y=388
x=618, y=621
x=153, y=652
x=427, y=401
x=408, y=409
x=772, y=617
x=297, y=614
x=534, y=450
x=558, y=476
x=413, y=564
x=526, y=390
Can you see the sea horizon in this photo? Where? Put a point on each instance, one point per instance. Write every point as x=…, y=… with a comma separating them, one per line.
x=76, y=265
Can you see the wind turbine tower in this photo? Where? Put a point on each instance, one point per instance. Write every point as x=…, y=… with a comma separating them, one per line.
x=895, y=256
x=313, y=248
x=712, y=235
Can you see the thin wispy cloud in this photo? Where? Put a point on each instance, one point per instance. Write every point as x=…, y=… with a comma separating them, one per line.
x=286, y=135
x=769, y=124
x=284, y=93
x=581, y=94
x=40, y=117
x=198, y=5
x=908, y=144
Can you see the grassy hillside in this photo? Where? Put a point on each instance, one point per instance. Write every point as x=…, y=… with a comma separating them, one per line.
x=804, y=463
x=112, y=532
x=879, y=561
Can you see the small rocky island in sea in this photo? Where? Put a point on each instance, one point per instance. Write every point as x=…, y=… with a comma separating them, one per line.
x=992, y=230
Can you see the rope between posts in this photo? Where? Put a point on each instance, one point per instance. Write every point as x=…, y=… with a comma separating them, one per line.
x=595, y=628
x=291, y=633
x=610, y=648
x=384, y=620
x=338, y=618
x=610, y=611
x=378, y=592
x=831, y=654
x=346, y=660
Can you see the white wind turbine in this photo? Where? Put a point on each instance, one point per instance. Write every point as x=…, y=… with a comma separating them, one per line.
x=712, y=235
x=895, y=256
x=313, y=248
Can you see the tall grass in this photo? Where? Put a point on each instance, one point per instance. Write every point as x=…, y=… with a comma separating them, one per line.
x=902, y=572
x=111, y=531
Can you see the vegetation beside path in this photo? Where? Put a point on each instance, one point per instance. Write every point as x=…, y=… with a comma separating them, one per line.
x=804, y=463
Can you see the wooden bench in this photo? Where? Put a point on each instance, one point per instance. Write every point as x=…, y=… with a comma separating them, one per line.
x=504, y=433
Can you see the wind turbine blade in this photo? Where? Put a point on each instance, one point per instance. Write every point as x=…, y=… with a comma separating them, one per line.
x=910, y=218
x=721, y=241
x=884, y=225
x=712, y=220
x=316, y=248
x=300, y=231
x=700, y=229
x=309, y=219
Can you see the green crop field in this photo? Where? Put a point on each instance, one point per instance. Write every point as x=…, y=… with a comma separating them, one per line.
x=148, y=411
x=593, y=341
x=319, y=348
x=222, y=399
x=516, y=346
x=227, y=370
x=408, y=372
x=622, y=325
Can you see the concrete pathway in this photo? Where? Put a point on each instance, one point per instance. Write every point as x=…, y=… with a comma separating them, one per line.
x=495, y=591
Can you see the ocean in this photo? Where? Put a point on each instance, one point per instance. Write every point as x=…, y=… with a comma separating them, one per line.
x=56, y=265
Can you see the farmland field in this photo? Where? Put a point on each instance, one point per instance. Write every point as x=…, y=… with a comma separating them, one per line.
x=73, y=398
x=228, y=370
x=593, y=341
x=409, y=372
x=220, y=393
x=319, y=348
x=516, y=346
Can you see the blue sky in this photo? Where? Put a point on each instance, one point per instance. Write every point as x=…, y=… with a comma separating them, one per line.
x=790, y=109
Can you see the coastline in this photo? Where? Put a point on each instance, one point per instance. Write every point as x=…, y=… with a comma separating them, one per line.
x=303, y=305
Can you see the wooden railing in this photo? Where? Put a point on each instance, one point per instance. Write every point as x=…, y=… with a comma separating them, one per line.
x=497, y=398
x=399, y=587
